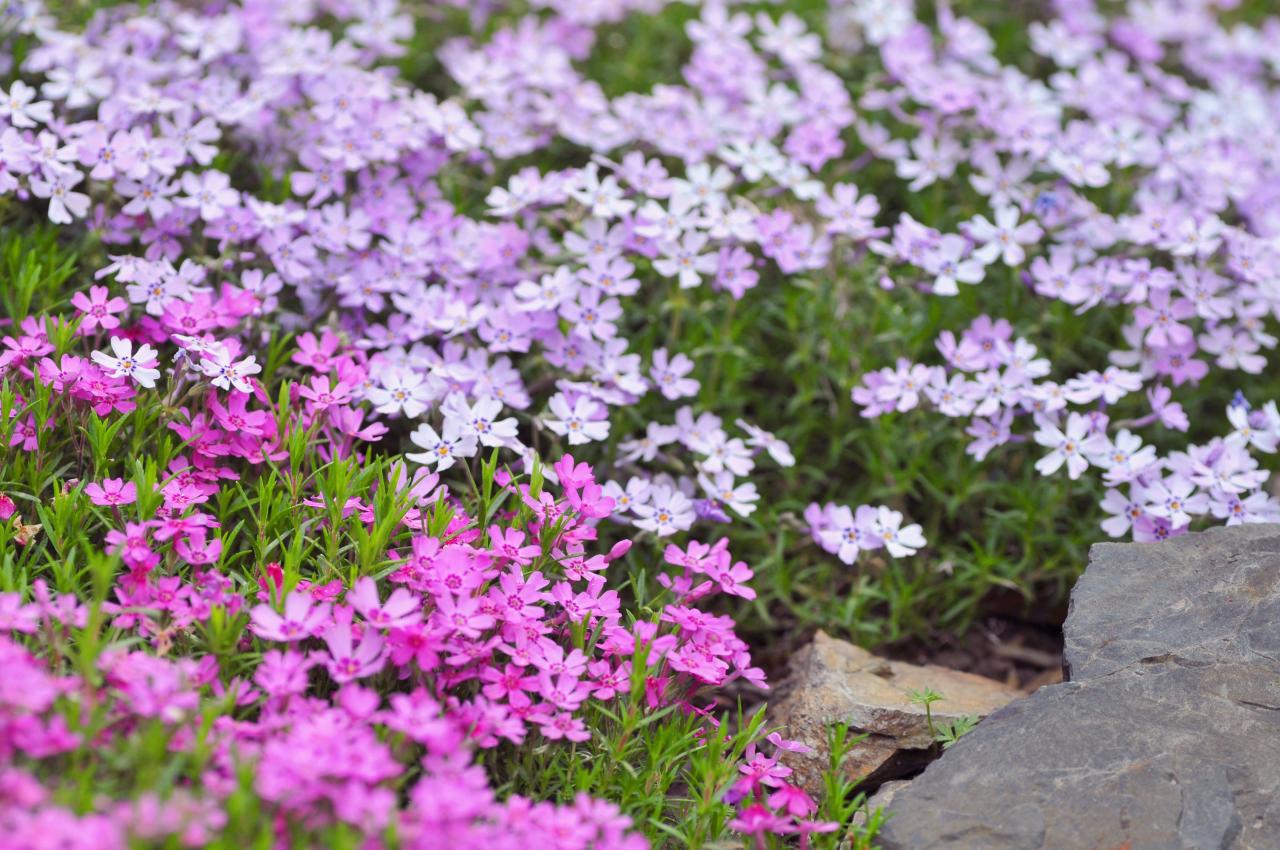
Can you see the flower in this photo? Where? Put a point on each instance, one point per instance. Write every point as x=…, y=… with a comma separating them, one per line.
x=302, y=618
x=1074, y=446
x=1005, y=238
x=64, y=205
x=139, y=366
x=209, y=193
x=667, y=511
x=900, y=540
x=401, y=392
x=669, y=373
x=348, y=662
x=480, y=420
x=113, y=492
x=442, y=451
x=848, y=534
x=98, y=309
x=682, y=260
x=722, y=488
x=948, y=265
x=226, y=374
x=22, y=109
x=581, y=422
x=401, y=609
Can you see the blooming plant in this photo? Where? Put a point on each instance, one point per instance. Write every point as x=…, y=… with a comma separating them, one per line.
x=415, y=413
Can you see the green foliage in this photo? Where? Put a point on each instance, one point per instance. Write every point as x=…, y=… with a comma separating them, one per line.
x=945, y=734
x=949, y=733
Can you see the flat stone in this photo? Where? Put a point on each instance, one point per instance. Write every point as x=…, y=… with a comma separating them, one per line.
x=1213, y=596
x=833, y=680
x=1167, y=737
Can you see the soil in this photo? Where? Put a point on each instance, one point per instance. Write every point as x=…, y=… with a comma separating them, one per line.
x=1012, y=643
x=1018, y=654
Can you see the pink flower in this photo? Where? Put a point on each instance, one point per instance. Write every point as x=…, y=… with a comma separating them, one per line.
x=317, y=355
x=133, y=545
x=462, y=614
x=757, y=820
x=197, y=550
x=401, y=609
x=564, y=725
x=98, y=309
x=348, y=662
x=112, y=491
x=794, y=800
x=302, y=618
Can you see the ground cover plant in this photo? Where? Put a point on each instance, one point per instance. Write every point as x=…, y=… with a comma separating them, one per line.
x=421, y=419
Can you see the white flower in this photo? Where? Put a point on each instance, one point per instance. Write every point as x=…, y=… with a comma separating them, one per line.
x=226, y=375
x=1245, y=434
x=21, y=108
x=480, y=421
x=723, y=452
x=762, y=439
x=626, y=499
x=442, y=451
x=605, y=197
x=64, y=205
x=681, y=260
x=667, y=511
x=139, y=366
x=949, y=265
x=753, y=159
x=402, y=391
x=1005, y=238
x=900, y=541
x=1125, y=458
x=722, y=488
x=581, y=423
x=703, y=186
x=1072, y=446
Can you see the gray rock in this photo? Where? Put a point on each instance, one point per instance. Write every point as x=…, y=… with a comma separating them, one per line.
x=883, y=797
x=1167, y=737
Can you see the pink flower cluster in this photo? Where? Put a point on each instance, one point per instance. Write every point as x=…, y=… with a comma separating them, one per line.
x=491, y=634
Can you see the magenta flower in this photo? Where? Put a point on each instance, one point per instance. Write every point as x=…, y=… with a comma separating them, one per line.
x=348, y=662
x=401, y=609
x=113, y=492
x=197, y=549
x=758, y=821
x=302, y=618
x=794, y=800
x=564, y=725
x=462, y=614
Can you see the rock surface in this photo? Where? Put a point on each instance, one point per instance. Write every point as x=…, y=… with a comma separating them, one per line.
x=832, y=680
x=881, y=799
x=1167, y=737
